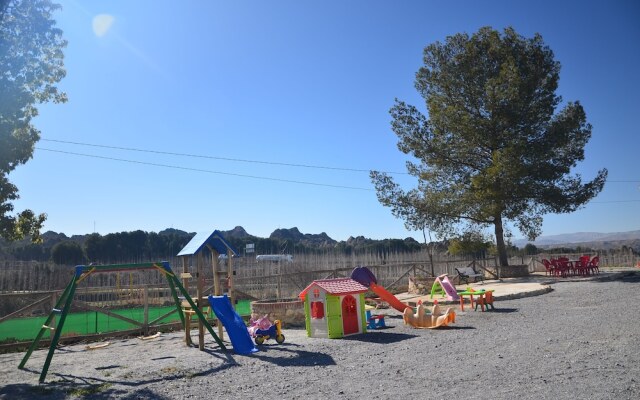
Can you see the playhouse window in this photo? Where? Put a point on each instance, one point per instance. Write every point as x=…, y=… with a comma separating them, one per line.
x=317, y=309
x=316, y=293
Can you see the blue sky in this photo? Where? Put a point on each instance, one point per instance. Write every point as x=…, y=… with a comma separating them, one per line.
x=294, y=82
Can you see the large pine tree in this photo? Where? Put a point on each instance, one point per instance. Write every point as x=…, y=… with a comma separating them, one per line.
x=495, y=147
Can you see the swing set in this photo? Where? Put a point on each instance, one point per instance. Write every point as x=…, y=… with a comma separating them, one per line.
x=63, y=305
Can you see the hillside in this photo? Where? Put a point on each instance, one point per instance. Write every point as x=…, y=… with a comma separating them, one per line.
x=140, y=245
x=594, y=240
x=295, y=236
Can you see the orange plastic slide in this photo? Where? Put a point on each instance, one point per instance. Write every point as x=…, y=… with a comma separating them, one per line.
x=388, y=297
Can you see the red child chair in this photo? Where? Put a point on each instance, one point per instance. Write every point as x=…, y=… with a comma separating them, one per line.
x=593, y=265
x=486, y=300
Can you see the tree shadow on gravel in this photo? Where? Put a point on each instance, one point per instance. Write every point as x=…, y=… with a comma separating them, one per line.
x=628, y=277
x=503, y=310
x=631, y=278
x=26, y=391
x=57, y=391
x=60, y=385
x=604, y=277
x=142, y=394
x=114, y=366
x=282, y=356
x=163, y=358
x=452, y=328
x=380, y=337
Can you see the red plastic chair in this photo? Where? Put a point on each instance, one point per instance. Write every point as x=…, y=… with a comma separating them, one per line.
x=593, y=265
x=550, y=270
x=583, y=265
x=567, y=265
x=559, y=267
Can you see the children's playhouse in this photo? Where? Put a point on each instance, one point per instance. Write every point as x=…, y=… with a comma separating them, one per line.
x=334, y=308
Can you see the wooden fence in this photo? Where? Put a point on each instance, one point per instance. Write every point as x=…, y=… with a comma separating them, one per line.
x=267, y=279
x=25, y=283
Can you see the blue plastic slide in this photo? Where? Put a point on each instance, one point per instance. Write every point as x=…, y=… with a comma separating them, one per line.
x=233, y=323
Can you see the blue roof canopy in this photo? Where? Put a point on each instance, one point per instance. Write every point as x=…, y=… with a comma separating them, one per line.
x=213, y=239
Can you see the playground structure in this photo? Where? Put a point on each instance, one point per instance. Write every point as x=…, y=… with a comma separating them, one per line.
x=233, y=323
x=195, y=252
x=365, y=277
x=443, y=286
x=63, y=305
x=434, y=319
x=334, y=308
x=419, y=319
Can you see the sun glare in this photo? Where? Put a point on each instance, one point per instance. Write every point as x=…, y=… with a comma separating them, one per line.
x=102, y=23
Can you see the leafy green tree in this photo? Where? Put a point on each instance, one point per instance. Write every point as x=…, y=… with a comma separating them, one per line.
x=154, y=245
x=495, y=148
x=470, y=243
x=94, y=248
x=530, y=249
x=67, y=253
x=31, y=64
x=30, y=251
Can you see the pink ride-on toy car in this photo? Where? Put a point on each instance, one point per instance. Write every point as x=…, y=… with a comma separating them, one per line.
x=262, y=330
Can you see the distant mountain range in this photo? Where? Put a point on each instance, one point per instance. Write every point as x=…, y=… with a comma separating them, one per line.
x=124, y=246
x=313, y=240
x=595, y=240
x=292, y=235
x=149, y=245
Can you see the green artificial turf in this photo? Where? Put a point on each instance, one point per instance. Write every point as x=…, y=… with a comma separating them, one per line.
x=91, y=322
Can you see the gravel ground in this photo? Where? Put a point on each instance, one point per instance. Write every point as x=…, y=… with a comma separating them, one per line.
x=581, y=340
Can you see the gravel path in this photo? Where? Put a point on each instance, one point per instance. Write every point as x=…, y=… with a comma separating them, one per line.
x=581, y=340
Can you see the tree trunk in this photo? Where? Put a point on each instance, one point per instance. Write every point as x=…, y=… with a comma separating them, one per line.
x=502, y=250
x=429, y=250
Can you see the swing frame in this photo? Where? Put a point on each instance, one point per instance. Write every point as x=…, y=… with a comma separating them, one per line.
x=81, y=273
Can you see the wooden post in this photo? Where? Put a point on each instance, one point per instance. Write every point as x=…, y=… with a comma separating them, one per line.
x=187, y=316
x=279, y=282
x=199, y=301
x=145, y=298
x=232, y=295
x=217, y=291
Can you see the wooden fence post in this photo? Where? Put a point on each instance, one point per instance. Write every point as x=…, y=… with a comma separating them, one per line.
x=145, y=299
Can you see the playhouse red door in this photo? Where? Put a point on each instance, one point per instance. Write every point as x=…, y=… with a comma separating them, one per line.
x=349, y=315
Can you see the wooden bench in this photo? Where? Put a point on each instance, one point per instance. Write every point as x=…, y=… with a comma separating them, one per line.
x=465, y=273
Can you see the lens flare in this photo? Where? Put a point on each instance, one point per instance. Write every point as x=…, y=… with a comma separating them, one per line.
x=102, y=23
